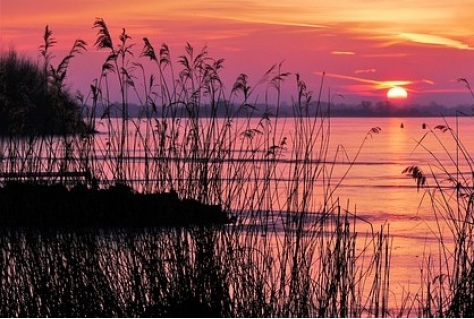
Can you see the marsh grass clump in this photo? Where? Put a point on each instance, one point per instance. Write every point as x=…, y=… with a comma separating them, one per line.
x=293, y=250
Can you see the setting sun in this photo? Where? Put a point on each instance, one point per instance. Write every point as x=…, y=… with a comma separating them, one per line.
x=397, y=93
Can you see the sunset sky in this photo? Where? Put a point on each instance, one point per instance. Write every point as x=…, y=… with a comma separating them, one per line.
x=364, y=47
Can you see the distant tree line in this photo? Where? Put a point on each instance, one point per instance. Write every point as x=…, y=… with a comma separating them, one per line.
x=387, y=109
x=363, y=109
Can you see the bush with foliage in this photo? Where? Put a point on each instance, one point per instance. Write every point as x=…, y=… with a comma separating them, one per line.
x=33, y=98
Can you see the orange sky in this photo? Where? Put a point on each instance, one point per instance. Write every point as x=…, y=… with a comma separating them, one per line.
x=363, y=46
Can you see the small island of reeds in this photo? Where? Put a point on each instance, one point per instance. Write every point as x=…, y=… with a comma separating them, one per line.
x=55, y=206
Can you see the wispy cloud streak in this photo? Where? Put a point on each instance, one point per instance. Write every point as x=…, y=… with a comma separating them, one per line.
x=435, y=40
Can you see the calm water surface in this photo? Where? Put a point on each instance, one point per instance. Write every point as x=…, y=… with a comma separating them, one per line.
x=379, y=191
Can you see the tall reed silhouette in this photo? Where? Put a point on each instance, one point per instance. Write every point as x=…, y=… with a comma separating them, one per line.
x=294, y=250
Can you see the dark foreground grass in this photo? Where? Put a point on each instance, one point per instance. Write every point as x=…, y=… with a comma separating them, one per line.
x=186, y=272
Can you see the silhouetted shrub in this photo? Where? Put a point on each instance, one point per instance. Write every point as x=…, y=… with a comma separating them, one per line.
x=29, y=105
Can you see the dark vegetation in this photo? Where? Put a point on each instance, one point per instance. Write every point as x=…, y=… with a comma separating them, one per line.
x=293, y=251
x=290, y=252
x=31, y=103
x=55, y=206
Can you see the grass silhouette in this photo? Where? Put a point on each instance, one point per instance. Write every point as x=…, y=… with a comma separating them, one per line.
x=447, y=280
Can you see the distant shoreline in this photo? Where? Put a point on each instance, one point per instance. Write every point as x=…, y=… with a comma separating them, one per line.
x=368, y=110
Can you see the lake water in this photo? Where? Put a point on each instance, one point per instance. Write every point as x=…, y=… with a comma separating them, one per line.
x=289, y=166
x=382, y=194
